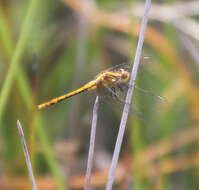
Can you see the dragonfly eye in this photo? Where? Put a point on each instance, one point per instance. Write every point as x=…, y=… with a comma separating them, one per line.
x=125, y=76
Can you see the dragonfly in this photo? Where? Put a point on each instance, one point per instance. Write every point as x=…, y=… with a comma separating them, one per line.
x=109, y=81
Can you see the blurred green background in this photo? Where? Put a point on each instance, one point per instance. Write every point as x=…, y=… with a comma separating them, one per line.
x=51, y=47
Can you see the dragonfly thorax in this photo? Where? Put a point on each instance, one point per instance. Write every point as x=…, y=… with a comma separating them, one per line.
x=110, y=78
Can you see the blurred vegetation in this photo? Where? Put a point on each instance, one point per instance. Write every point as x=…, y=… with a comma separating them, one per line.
x=48, y=48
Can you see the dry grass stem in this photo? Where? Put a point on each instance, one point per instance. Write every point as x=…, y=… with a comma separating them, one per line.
x=27, y=156
x=191, y=47
x=92, y=145
x=128, y=97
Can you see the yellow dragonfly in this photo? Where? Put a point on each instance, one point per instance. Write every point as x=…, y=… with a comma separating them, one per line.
x=111, y=79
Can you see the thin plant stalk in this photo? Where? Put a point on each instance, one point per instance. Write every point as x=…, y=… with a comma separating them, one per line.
x=127, y=105
x=26, y=94
x=190, y=47
x=92, y=145
x=27, y=156
x=15, y=61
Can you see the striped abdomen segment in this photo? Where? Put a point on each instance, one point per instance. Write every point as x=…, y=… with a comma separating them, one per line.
x=89, y=86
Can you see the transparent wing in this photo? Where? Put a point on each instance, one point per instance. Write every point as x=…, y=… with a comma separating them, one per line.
x=126, y=66
x=117, y=92
x=115, y=96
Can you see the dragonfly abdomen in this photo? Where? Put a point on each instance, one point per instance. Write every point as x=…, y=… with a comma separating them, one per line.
x=89, y=86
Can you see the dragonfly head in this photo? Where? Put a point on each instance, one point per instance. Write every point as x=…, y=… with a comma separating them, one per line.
x=125, y=75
